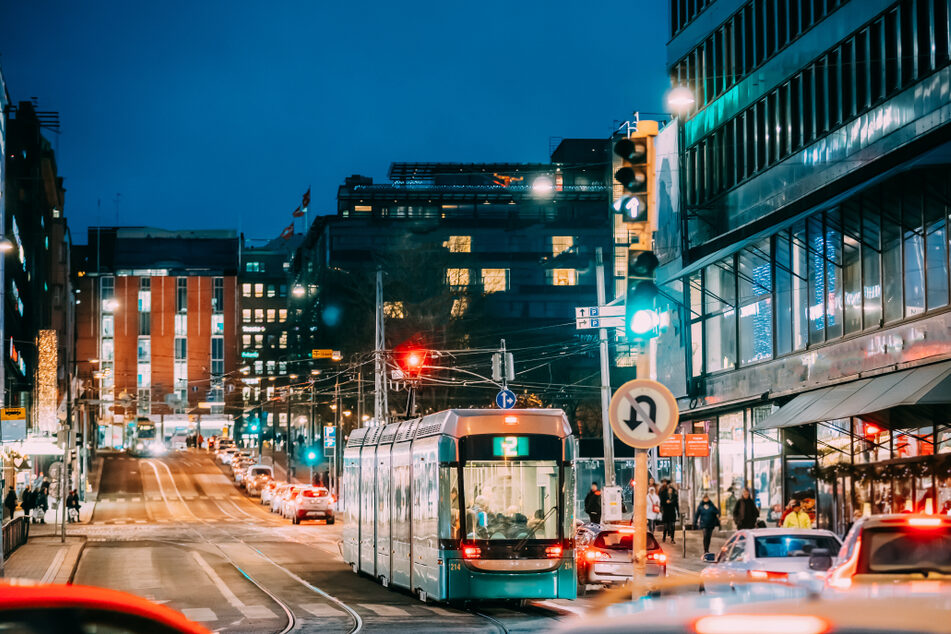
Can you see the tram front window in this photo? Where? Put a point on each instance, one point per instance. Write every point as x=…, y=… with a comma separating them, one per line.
x=511, y=499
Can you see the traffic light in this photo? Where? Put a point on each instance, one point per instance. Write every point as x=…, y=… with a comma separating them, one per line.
x=636, y=174
x=641, y=315
x=312, y=455
x=411, y=359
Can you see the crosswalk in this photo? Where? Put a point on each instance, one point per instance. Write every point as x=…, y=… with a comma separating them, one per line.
x=326, y=610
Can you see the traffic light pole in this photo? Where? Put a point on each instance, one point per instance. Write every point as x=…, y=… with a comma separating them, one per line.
x=609, y=477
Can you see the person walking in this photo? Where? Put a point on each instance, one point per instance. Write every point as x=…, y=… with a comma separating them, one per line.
x=27, y=502
x=707, y=518
x=786, y=511
x=669, y=507
x=10, y=502
x=72, y=505
x=592, y=504
x=745, y=512
x=653, y=509
x=41, y=503
x=797, y=518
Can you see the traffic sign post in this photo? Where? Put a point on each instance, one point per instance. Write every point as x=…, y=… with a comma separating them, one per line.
x=643, y=413
x=505, y=399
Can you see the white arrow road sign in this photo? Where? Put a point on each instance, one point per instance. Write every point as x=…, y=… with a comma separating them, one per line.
x=599, y=322
x=598, y=311
x=643, y=413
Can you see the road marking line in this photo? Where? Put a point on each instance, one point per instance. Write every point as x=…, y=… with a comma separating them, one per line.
x=199, y=614
x=443, y=611
x=225, y=591
x=258, y=612
x=381, y=609
x=322, y=609
x=54, y=566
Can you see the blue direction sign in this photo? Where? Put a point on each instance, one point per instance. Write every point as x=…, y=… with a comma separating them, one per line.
x=505, y=399
x=330, y=437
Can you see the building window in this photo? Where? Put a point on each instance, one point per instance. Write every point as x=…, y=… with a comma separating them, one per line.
x=272, y=341
x=271, y=366
x=283, y=340
x=145, y=294
x=560, y=244
x=181, y=325
x=271, y=291
x=282, y=290
x=217, y=294
x=246, y=341
x=181, y=294
x=282, y=314
x=108, y=350
x=457, y=277
x=564, y=277
x=107, y=287
x=246, y=290
x=720, y=316
x=180, y=376
x=108, y=325
x=246, y=315
x=259, y=315
x=282, y=367
x=755, y=304
x=181, y=348
x=144, y=349
x=252, y=267
x=495, y=280
x=218, y=324
x=143, y=375
x=259, y=341
x=145, y=323
x=459, y=306
x=459, y=244
x=270, y=315
x=394, y=310
x=259, y=290
x=258, y=367
x=217, y=356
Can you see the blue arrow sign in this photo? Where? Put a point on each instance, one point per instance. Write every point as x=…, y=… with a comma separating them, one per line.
x=505, y=399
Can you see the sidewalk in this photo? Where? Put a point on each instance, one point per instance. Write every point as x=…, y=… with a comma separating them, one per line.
x=692, y=562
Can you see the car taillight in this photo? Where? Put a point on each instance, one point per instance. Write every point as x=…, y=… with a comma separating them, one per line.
x=553, y=552
x=756, y=623
x=840, y=577
x=768, y=575
x=595, y=555
x=471, y=552
x=660, y=558
x=308, y=494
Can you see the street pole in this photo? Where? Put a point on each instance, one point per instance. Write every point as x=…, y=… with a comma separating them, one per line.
x=288, y=444
x=66, y=451
x=360, y=396
x=380, y=405
x=639, y=545
x=609, y=477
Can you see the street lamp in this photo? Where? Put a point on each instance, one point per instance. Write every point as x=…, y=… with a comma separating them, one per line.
x=543, y=187
x=315, y=372
x=298, y=290
x=6, y=244
x=680, y=100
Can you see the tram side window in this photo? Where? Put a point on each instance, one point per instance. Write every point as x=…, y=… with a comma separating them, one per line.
x=449, y=527
x=511, y=499
x=425, y=483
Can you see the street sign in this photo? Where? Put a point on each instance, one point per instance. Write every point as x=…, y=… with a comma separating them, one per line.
x=505, y=399
x=12, y=424
x=698, y=445
x=599, y=311
x=321, y=354
x=599, y=322
x=13, y=413
x=249, y=354
x=611, y=504
x=673, y=446
x=330, y=437
x=643, y=413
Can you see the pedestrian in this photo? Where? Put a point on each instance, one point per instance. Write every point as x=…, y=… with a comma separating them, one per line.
x=786, y=511
x=707, y=518
x=72, y=505
x=745, y=512
x=27, y=502
x=669, y=508
x=797, y=518
x=41, y=502
x=592, y=504
x=730, y=501
x=10, y=502
x=856, y=516
x=775, y=514
x=653, y=509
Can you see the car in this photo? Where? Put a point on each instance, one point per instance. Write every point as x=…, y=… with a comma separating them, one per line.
x=226, y=456
x=604, y=555
x=893, y=548
x=277, y=498
x=770, y=554
x=267, y=491
x=284, y=506
x=311, y=503
x=239, y=468
x=75, y=608
x=257, y=476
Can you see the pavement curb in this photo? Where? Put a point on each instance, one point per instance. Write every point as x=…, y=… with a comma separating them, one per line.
x=79, y=556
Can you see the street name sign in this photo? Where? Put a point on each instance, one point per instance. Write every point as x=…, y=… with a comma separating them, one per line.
x=586, y=323
x=505, y=399
x=321, y=354
x=643, y=413
x=599, y=311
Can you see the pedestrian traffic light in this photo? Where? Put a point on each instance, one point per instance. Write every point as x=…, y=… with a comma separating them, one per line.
x=635, y=174
x=641, y=315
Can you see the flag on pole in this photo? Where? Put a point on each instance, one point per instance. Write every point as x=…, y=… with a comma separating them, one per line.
x=298, y=213
x=288, y=231
x=306, y=200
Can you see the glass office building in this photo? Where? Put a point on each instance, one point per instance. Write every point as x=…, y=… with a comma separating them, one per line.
x=813, y=329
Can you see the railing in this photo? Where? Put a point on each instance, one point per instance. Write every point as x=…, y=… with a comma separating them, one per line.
x=15, y=534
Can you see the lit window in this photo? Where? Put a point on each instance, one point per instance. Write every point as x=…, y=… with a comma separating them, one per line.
x=271, y=290
x=270, y=315
x=246, y=315
x=246, y=341
x=258, y=341
x=270, y=367
x=564, y=277
x=259, y=290
x=217, y=324
x=282, y=314
x=283, y=368
x=362, y=208
x=394, y=310
x=457, y=277
x=459, y=306
x=181, y=325
x=560, y=244
x=246, y=290
x=283, y=339
x=259, y=315
x=495, y=280
x=459, y=244
x=258, y=367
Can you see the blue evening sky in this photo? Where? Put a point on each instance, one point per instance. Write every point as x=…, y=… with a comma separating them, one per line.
x=219, y=114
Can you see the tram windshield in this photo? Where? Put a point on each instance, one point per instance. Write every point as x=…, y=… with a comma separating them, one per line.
x=511, y=499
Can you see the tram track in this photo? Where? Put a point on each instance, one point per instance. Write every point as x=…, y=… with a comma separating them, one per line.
x=291, y=618
x=491, y=619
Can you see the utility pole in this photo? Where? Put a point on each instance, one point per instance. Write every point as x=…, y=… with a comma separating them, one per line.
x=380, y=406
x=360, y=396
x=288, y=443
x=336, y=431
x=606, y=432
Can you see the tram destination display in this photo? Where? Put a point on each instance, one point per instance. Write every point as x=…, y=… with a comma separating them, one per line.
x=510, y=446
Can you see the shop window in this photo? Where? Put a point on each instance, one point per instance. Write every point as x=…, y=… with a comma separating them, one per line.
x=914, y=252
x=936, y=244
x=732, y=462
x=754, y=284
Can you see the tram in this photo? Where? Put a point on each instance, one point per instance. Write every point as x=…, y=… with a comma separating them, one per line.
x=143, y=441
x=464, y=504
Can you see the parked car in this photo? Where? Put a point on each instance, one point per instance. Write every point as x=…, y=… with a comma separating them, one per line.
x=278, y=497
x=310, y=503
x=892, y=549
x=604, y=555
x=267, y=492
x=257, y=476
x=286, y=498
x=239, y=468
x=226, y=455
x=769, y=554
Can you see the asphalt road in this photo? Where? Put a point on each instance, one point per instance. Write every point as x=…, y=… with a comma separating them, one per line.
x=177, y=531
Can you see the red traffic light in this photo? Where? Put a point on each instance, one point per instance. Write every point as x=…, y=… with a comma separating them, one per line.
x=411, y=361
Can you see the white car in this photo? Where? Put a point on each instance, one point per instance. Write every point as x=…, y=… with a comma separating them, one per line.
x=310, y=503
x=287, y=499
x=256, y=477
x=769, y=554
x=267, y=492
x=277, y=499
x=225, y=456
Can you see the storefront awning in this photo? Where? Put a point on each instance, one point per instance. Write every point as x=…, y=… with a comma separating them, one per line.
x=927, y=385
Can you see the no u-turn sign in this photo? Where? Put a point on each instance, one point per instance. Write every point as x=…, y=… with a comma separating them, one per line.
x=643, y=413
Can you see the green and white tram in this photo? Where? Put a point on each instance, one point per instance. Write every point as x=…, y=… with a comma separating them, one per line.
x=464, y=504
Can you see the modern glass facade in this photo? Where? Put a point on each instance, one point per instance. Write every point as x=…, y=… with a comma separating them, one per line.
x=816, y=164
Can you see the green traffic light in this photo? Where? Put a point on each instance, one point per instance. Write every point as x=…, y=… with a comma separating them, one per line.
x=644, y=321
